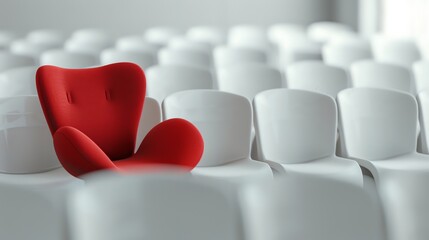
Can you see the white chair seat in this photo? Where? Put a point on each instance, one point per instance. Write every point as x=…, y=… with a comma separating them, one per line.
x=237, y=171
x=332, y=167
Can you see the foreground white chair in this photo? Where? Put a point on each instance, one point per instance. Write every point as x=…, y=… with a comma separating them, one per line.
x=297, y=133
x=143, y=59
x=373, y=74
x=225, y=122
x=65, y=59
x=18, y=82
x=187, y=57
x=10, y=60
x=227, y=56
x=153, y=206
x=163, y=80
x=316, y=76
x=421, y=75
x=207, y=34
x=378, y=130
x=308, y=207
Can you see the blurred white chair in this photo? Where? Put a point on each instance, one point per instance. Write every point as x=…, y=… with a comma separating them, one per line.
x=343, y=53
x=136, y=43
x=29, y=49
x=248, y=79
x=378, y=130
x=91, y=35
x=186, y=43
x=18, y=82
x=316, y=76
x=6, y=38
x=296, y=132
x=373, y=74
x=298, y=48
x=27, y=214
x=224, y=56
x=89, y=41
x=151, y=116
x=65, y=59
x=207, y=34
x=225, y=122
x=163, y=80
x=278, y=32
x=248, y=36
x=157, y=207
x=308, y=207
x=48, y=37
x=11, y=60
x=323, y=31
x=143, y=59
x=161, y=35
x=395, y=51
x=187, y=57
x=421, y=75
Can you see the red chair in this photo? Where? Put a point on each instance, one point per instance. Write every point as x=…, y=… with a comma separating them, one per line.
x=93, y=115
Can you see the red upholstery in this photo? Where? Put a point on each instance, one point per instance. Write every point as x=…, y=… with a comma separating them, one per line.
x=93, y=115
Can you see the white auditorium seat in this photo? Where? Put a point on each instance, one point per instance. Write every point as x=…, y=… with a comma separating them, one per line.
x=49, y=37
x=248, y=36
x=151, y=116
x=66, y=59
x=323, y=31
x=298, y=48
x=6, y=38
x=186, y=43
x=161, y=35
x=136, y=43
x=30, y=49
x=143, y=59
x=89, y=41
x=207, y=34
x=18, y=82
x=344, y=52
x=187, y=57
x=279, y=32
x=402, y=52
x=225, y=56
x=11, y=60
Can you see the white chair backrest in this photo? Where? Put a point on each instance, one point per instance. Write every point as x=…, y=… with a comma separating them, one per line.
x=224, y=120
x=373, y=74
x=248, y=79
x=421, y=75
x=161, y=35
x=298, y=48
x=395, y=51
x=10, y=60
x=143, y=59
x=90, y=35
x=187, y=57
x=423, y=99
x=29, y=49
x=6, y=38
x=227, y=56
x=26, y=142
x=87, y=47
x=316, y=76
x=163, y=80
x=156, y=207
x=343, y=54
x=213, y=35
x=22, y=208
x=18, y=82
x=324, y=31
x=186, y=43
x=65, y=59
x=47, y=37
x=295, y=126
x=136, y=43
x=377, y=124
x=308, y=207
x=248, y=36
x=277, y=32
x=151, y=116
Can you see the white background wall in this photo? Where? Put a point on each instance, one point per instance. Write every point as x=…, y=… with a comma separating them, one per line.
x=133, y=16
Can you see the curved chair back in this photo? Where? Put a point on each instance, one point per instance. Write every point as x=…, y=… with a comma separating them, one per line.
x=18, y=82
x=10, y=60
x=377, y=124
x=324, y=31
x=372, y=74
x=309, y=207
x=395, y=51
x=151, y=116
x=187, y=57
x=160, y=35
x=224, y=120
x=295, y=126
x=46, y=37
x=26, y=145
x=136, y=43
x=186, y=43
x=316, y=76
x=61, y=58
x=143, y=59
x=163, y=80
x=212, y=35
x=423, y=99
x=345, y=54
x=156, y=207
x=227, y=56
x=248, y=36
x=105, y=103
x=248, y=79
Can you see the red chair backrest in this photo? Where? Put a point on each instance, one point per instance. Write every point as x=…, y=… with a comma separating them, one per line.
x=105, y=103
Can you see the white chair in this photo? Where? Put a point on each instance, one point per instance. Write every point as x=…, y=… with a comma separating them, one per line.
x=378, y=130
x=395, y=51
x=187, y=57
x=227, y=56
x=248, y=79
x=136, y=43
x=49, y=37
x=153, y=206
x=29, y=49
x=373, y=74
x=421, y=75
x=18, y=82
x=278, y=32
x=316, y=76
x=296, y=132
x=6, y=38
x=344, y=53
x=91, y=35
x=186, y=43
x=307, y=207
x=161, y=35
x=143, y=59
x=225, y=122
x=10, y=60
x=248, y=36
x=298, y=48
x=207, y=34
x=65, y=59
x=163, y=80
x=89, y=41
x=151, y=116
x=323, y=31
